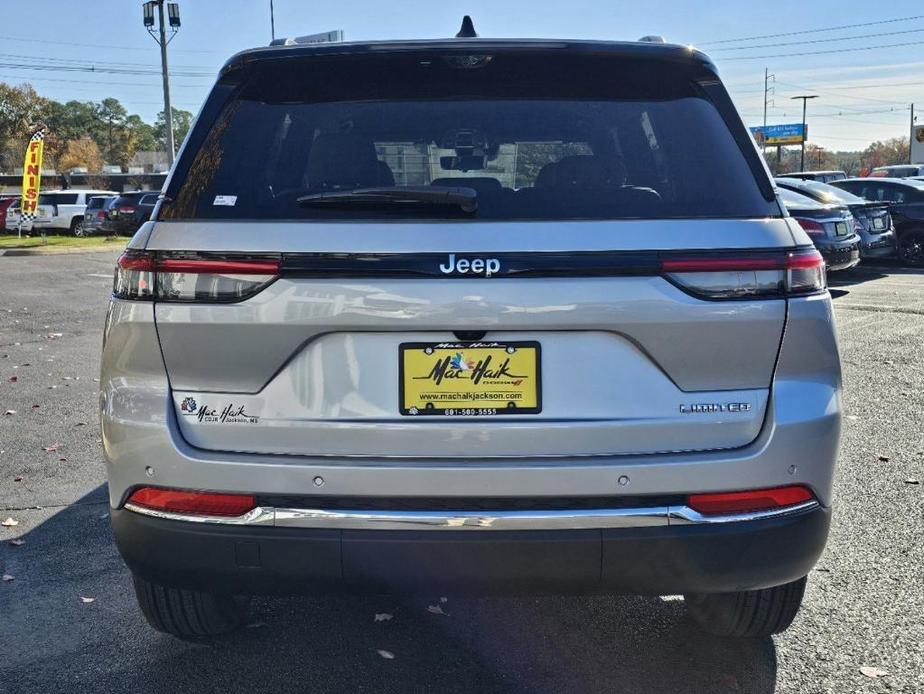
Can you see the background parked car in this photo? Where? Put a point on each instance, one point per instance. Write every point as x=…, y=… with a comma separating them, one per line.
x=63, y=210
x=129, y=211
x=897, y=171
x=872, y=220
x=96, y=213
x=822, y=176
x=42, y=215
x=830, y=227
x=5, y=202
x=905, y=197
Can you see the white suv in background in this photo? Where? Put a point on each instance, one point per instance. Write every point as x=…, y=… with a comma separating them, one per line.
x=64, y=209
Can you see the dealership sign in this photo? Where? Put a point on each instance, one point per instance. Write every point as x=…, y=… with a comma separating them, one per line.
x=789, y=134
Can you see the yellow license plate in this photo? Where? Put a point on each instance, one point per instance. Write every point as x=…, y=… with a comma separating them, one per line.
x=469, y=379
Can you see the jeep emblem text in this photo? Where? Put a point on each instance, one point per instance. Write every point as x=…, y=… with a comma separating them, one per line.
x=488, y=266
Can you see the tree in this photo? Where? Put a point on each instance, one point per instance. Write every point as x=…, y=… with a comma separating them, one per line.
x=892, y=151
x=113, y=114
x=182, y=120
x=20, y=109
x=81, y=153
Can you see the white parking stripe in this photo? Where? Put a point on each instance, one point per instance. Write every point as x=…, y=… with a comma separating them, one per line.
x=99, y=274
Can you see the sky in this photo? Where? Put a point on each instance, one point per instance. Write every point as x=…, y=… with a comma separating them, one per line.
x=864, y=89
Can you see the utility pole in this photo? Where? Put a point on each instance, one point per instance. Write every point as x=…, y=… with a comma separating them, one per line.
x=805, y=99
x=768, y=90
x=173, y=12
x=911, y=138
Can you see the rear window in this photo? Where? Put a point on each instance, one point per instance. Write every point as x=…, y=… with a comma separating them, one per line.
x=96, y=203
x=57, y=199
x=555, y=139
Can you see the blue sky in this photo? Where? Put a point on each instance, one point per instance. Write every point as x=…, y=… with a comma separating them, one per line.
x=864, y=94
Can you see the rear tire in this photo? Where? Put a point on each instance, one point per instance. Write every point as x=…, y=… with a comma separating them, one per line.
x=188, y=614
x=77, y=227
x=748, y=614
x=911, y=248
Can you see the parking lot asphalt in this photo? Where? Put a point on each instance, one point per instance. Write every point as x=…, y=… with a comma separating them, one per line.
x=68, y=620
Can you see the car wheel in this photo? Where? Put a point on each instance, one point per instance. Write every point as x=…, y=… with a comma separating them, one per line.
x=77, y=227
x=749, y=613
x=188, y=614
x=911, y=247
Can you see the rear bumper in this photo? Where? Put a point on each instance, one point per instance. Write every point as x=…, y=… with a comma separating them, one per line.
x=673, y=559
x=840, y=256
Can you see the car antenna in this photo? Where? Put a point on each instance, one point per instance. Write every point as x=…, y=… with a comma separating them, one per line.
x=468, y=29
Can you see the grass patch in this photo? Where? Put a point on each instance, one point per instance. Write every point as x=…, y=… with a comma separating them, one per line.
x=61, y=241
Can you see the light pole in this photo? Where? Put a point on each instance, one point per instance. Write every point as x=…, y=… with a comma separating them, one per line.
x=173, y=14
x=805, y=99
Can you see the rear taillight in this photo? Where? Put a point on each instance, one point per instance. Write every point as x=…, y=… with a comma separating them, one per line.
x=722, y=503
x=193, y=503
x=811, y=227
x=143, y=275
x=101, y=214
x=748, y=276
x=127, y=210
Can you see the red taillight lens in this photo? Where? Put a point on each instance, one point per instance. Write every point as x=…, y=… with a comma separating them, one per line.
x=126, y=210
x=194, y=503
x=142, y=275
x=101, y=214
x=743, y=502
x=812, y=228
x=769, y=275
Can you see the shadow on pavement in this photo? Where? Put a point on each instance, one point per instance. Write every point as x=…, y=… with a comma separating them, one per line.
x=52, y=641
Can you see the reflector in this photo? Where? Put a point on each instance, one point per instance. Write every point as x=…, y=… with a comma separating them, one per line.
x=195, y=503
x=741, y=502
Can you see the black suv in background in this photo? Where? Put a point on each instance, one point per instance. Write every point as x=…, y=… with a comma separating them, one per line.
x=129, y=212
x=905, y=198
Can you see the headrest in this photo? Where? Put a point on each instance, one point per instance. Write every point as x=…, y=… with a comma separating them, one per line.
x=341, y=161
x=585, y=171
x=546, y=176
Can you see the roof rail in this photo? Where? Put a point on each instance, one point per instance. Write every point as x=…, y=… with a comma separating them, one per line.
x=334, y=36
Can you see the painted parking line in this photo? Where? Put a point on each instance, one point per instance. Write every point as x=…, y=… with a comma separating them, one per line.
x=100, y=274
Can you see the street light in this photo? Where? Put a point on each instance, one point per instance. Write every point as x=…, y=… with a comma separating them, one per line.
x=805, y=99
x=160, y=36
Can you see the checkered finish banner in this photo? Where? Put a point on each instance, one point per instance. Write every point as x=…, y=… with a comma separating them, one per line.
x=32, y=177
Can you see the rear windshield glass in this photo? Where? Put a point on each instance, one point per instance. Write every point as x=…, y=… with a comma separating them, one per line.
x=534, y=142
x=794, y=200
x=826, y=193
x=58, y=199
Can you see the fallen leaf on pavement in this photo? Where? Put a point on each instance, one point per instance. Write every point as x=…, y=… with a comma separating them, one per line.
x=872, y=672
x=17, y=542
x=10, y=412
x=912, y=481
x=53, y=447
x=883, y=459
x=13, y=379
x=9, y=523
x=7, y=578
x=388, y=655
x=382, y=617
x=18, y=478
x=87, y=601
x=35, y=407
x=62, y=460
x=435, y=609
x=54, y=336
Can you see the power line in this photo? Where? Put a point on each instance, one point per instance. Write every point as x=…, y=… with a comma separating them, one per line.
x=93, y=45
x=836, y=50
x=23, y=78
x=805, y=41
x=812, y=31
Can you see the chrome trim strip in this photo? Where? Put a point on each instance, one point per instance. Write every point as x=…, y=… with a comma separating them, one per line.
x=654, y=516
x=473, y=520
x=684, y=515
x=261, y=515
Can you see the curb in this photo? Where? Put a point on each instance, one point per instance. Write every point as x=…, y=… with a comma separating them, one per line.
x=13, y=252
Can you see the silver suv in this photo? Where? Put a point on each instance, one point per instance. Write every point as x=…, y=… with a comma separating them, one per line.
x=470, y=315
